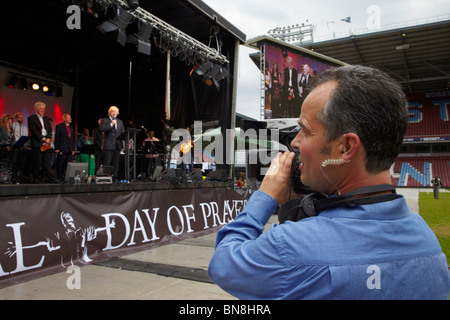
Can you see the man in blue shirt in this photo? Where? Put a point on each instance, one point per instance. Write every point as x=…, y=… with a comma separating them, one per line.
x=352, y=127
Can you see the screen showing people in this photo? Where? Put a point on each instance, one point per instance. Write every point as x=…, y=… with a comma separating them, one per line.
x=287, y=76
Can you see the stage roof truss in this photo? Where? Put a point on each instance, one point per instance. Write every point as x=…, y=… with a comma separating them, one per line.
x=207, y=52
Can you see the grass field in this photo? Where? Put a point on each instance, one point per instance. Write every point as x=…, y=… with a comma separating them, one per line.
x=436, y=212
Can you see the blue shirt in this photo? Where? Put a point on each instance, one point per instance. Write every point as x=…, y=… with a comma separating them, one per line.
x=376, y=251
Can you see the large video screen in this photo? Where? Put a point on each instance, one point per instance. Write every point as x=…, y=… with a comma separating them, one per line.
x=287, y=75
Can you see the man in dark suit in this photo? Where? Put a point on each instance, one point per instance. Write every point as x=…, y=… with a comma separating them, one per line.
x=98, y=143
x=113, y=128
x=41, y=153
x=64, y=146
x=290, y=89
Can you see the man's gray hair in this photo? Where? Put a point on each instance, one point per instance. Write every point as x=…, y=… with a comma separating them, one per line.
x=370, y=104
x=38, y=104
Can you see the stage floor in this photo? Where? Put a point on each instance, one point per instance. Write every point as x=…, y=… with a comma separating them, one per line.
x=14, y=190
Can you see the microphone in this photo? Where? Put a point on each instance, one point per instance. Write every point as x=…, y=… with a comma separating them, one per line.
x=332, y=161
x=328, y=162
x=144, y=129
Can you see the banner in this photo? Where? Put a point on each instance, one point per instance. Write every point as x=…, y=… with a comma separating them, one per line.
x=56, y=232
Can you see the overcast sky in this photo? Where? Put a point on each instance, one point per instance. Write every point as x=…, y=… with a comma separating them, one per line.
x=256, y=17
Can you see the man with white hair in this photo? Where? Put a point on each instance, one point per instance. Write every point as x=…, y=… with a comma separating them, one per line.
x=113, y=128
x=41, y=153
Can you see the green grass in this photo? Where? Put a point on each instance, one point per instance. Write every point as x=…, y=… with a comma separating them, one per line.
x=436, y=212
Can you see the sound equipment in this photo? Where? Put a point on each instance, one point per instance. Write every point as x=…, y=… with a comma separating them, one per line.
x=171, y=175
x=218, y=175
x=196, y=176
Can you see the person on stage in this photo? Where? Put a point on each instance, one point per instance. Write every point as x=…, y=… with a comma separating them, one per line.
x=98, y=138
x=152, y=159
x=64, y=146
x=41, y=135
x=6, y=152
x=113, y=128
x=21, y=169
x=290, y=89
x=84, y=140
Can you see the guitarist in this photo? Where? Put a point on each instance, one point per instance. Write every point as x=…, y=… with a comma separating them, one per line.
x=41, y=153
x=187, y=155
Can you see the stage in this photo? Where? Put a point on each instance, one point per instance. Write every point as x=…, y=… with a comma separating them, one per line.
x=24, y=190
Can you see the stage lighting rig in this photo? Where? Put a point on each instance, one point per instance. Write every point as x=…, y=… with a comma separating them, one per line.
x=24, y=83
x=120, y=22
x=212, y=73
x=35, y=85
x=218, y=74
x=142, y=37
x=133, y=4
x=166, y=34
x=205, y=68
x=96, y=6
x=12, y=81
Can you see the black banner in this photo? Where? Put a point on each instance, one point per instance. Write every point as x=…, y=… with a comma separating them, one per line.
x=47, y=232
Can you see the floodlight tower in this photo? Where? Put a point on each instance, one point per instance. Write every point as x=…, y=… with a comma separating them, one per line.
x=295, y=34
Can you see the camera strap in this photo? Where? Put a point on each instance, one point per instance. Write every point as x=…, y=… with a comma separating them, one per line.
x=314, y=203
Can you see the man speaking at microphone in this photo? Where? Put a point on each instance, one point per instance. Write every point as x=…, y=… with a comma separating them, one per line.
x=113, y=128
x=352, y=127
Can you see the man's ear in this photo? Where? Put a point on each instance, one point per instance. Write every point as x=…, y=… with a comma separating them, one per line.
x=350, y=146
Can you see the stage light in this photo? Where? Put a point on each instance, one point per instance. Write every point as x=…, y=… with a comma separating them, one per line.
x=179, y=49
x=35, y=86
x=218, y=74
x=205, y=68
x=45, y=88
x=12, y=81
x=165, y=40
x=96, y=6
x=50, y=90
x=59, y=91
x=120, y=22
x=24, y=83
x=142, y=38
x=133, y=4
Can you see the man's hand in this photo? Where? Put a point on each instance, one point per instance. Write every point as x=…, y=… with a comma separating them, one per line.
x=276, y=181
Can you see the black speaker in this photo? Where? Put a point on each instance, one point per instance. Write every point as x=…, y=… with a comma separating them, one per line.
x=218, y=175
x=196, y=176
x=171, y=175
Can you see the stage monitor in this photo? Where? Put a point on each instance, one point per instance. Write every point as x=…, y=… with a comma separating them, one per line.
x=104, y=171
x=77, y=170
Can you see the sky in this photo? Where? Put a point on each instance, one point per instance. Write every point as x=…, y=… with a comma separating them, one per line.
x=257, y=17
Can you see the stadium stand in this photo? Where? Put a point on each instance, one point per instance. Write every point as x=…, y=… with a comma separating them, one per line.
x=426, y=151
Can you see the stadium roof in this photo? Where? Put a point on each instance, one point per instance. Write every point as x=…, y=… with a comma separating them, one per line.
x=418, y=56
